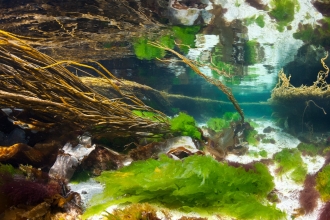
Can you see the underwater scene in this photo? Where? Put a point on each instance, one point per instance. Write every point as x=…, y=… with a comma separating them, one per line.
x=164, y=110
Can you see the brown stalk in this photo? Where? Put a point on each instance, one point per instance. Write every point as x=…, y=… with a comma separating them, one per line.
x=34, y=81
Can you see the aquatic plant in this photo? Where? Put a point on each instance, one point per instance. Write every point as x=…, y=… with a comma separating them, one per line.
x=145, y=51
x=231, y=116
x=290, y=159
x=8, y=169
x=70, y=103
x=185, y=125
x=268, y=140
x=253, y=124
x=146, y=114
x=185, y=36
x=273, y=197
x=304, y=33
x=323, y=183
x=253, y=153
x=80, y=176
x=263, y=153
x=219, y=63
x=22, y=191
x=309, y=195
x=298, y=175
x=17, y=189
x=251, y=136
x=283, y=11
x=135, y=211
x=325, y=212
x=217, y=124
x=316, y=34
x=198, y=183
x=285, y=94
x=259, y=20
x=308, y=149
x=251, y=52
x=215, y=82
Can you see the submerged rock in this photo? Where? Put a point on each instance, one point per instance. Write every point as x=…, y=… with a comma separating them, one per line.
x=66, y=163
x=176, y=148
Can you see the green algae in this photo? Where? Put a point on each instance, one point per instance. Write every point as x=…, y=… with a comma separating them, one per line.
x=251, y=52
x=305, y=33
x=185, y=36
x=80, y=176
x=218, y=124
x=185, y=125
x=259, y=20
x=250, y=137
x=290, y=160
x=218, y=63
x=145, y=114
x=263, y=153
x=316, y=34
x=145, y=51
x=198, y=183
x=283, y=11
x=299, y=174
x=323, y=183
x=308, y=149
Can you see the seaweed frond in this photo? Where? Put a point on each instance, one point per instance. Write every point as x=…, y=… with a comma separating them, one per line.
x=32, y=80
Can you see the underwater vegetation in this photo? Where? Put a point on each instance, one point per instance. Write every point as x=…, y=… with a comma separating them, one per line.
x=135, y=211
x=19, y=189
x=323, y=183
x=283, y=11
x=290, y=160
x=305, y=33
x=231, y=116
x=251, y=137
x=198, y=183
x=251, y=52
x=317, y=34
x=184, y=36
x=259, y=20
x=146, y=114
x=185, y=125
x=145, y=51
x=268, y=140
x=309, y=195
x=308, y=149
x=219, y=63
x=263, y=153
x=218, y=124
x=80, y=176
x=325, y=212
